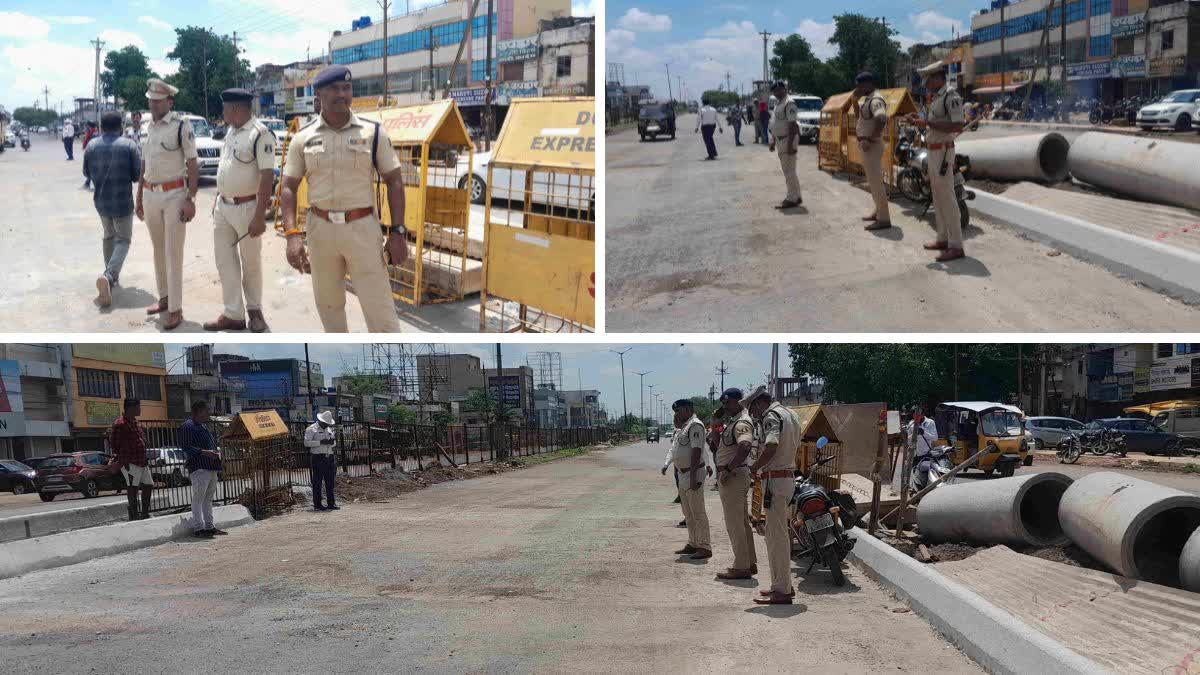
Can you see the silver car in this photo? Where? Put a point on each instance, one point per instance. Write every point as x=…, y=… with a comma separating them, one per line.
x=1048, y=431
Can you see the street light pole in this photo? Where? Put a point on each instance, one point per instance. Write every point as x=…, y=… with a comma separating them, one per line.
x=624, y=402
x=642, y=394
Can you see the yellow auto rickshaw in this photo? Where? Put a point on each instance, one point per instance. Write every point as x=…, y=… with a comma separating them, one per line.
x=971, y=426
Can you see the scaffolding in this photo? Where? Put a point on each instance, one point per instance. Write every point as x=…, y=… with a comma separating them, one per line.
x=410, y=373
x=547, y=369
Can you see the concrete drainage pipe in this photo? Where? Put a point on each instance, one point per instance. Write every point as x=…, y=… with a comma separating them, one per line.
x=1037, y=157
x=1135, y=527
x=1018, y=511
x=1189, y=563
x=1147, y=168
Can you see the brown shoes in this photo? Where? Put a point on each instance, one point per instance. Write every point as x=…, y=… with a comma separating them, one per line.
x=731, y=574
x=701, y=554
x=258, y=323
x=937, y=246
x=769, y=591
x=686, y=550
x=225, y=323
x=157, y=309
x=874, y=226
x=951, y=254
x=173, y=320
x=773, y=599
x=103, y=291
x=871, y=218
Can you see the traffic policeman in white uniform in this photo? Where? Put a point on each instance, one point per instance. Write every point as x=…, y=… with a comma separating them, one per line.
x=944, y=121
x=775, y=467
x=340, y=154
x=244, y=179
x=166, y=196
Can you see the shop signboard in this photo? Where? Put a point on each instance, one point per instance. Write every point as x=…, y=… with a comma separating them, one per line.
x=1174, y=373
x=1141, y=379
x=506, y=390
x=1129, y=25
x=1169, y=66
x=507, y=91
x=565, y=90
x=12, y=407
x=1094, y=70
x=520, y=49
x=469, y=97
x=1129, y=66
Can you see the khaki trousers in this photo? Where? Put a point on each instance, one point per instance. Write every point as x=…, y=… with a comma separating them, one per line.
x=238, y=265
x=737, y=520
x=167, y=234
x=355, y=247
x=949, y=225
x=873, y=167
x=695, y=514
x=779, y=541
x=787, y=162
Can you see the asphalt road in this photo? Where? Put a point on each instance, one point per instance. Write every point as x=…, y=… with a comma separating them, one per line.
x=565, y=566
x=696, y=246
x=52, y=239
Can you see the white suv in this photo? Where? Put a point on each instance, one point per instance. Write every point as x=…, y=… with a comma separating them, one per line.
x=277, y=127
x=810, y=116
x=1176, y=111
x=208, y=149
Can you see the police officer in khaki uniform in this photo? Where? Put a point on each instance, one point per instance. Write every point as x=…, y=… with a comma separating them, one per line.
x=166, y=196
x=779, y=432
x=340, y=154
x=244, y=178
x=688, y=456
x=872, y=121
x=785, y=138
x=733, y=475
x=944, y=121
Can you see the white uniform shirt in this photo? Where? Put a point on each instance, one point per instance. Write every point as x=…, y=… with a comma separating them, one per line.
x=708, y=116
x=68, y=130
x=923, y=443
x=314, y=434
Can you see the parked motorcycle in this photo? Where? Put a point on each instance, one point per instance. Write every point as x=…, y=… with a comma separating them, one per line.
x=818, y=522
x=1111, y=442
x=1069, y=449
x=912, y=155
x=931, y=467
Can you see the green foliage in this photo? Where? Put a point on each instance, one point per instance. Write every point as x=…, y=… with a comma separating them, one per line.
x=358, y=383
x=481, y=401
x=34, y=117
x=703, y=407
x=717, y=98
x=205, y=58
x=906, y=374
x=400, y=414
x=125, y=73
x=442, y=418
x=863, y=44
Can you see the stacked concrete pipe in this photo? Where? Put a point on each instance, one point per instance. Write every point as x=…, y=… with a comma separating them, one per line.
x=1189, y=563
x=1018, y=511
x=1147, y=168
x=1037, y=157
x=1135, y=527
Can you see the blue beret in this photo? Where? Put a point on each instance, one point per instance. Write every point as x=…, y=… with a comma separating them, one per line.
x=236, y=95
x=733, y=393
x=330, y=75
x=681, y=403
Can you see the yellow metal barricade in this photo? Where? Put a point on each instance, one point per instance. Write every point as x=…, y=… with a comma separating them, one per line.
x=831, y=148
x=539, y=261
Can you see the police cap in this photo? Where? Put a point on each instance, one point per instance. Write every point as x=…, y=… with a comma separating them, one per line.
x=777, y=84
x=681, y=403
x=865, y=76
x=732, y=393
x=236, y=95
x=330, y=75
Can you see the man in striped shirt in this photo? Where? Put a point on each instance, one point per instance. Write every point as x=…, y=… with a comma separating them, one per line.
x=203, y=465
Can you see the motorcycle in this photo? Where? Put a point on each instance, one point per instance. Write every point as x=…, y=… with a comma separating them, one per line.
x=912, y=154
x=818, y=521
x=1069, y=449
x=1111, y=441
x=931, y=467
x=25, y=142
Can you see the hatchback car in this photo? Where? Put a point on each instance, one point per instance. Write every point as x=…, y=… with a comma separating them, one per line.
x=16, y=476
x=86, y=472
x=1176, y=111
x=1048, y=431
x=1140, y=435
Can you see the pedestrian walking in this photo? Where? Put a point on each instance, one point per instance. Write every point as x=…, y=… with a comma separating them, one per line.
x=872, y=121
x=764, y=120
x=88, y=135
x=320, y=438
x=68, y=139
x=709, y=122
x=733, y=475
x=944, y=122
x=688, y=447
x=166, y=196
x=785, y=139
x=245, y=176
x=340, y=153
x=779, y=433
x=128, y=442
x=204, y=466
x=114, y=164
x=735, y=121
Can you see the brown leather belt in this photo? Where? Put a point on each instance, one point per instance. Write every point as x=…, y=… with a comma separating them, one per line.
x=237, y=200
x=779, y=473
x=941, y=146
x=689, y=469
x=343, y=217
x=164, y=187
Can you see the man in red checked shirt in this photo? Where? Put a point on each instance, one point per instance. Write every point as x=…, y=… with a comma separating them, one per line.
x=128, y=442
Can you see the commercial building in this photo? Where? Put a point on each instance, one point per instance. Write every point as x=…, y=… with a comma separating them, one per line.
x=285, y=91
x=550, y=407
x=101, y=377
x=583, y=409
x=1100, y=380
x=278, y=384
x=448, y=378
x=33, y=401
x=204, y=382
x=513, y=388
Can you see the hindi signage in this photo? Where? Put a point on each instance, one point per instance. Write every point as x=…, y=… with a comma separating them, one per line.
x=520, y=49
x=1169, y=66
x=1129, y=25
x=1129, y=66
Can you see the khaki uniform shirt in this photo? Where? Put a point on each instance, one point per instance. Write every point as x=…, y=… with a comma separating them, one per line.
x=945, y=106
x=737, y=429
x=238, y=170
x=871, y=107
x=170, y=142
x=779, y=426
x=690, y=435
x=786, y=114
x=337, y=163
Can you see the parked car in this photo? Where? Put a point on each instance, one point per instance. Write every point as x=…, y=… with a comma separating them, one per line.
x=810, y=116
x=277, y=127
x=89, y=473
x=567, y=190
x=208, y=149
x=10, y=139
x=169, y=466
x=33, y=462
x=16, y=477
x=1176, y=111
x=1048, y=431
x=1140, y=435
x=1183, y=421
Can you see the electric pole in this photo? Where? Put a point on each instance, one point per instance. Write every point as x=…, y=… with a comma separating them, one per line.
x=1020, y=390
x=432, y=46
x=887, y=71
x=1062, y=50
x=722, y=371
x=489, y=109
x=99, y=44
x=312, y=406
x=642, y=393
x=624, y=402
x=652, y=413
x=670, y=92
x=46, y=91
x=386, y=5
x=766, y=64
x=728, y=83
x=712, y=394
x=1003, y=56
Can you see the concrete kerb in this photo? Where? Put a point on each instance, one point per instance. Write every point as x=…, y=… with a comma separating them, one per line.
x=1056, y=126
x=993, y=638
x=28, y=526
x=68, y=548
x=1160, y=267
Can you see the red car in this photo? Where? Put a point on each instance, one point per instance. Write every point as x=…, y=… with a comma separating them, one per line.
x=84, y=472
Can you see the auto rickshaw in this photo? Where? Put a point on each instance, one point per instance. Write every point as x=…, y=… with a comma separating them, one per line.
x=971, y=426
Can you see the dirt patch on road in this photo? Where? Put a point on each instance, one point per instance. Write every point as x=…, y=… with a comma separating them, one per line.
x=1067, y=554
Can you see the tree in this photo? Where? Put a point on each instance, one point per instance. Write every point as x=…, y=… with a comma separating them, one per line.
x=863, y=44
x=442, y=418
x=358, y=383
x=718, y=98
x=703, y=408
x=401, y=414
x=125, y=73
x=34, y=117
x=208, y=64
x=481, y=402
x=795, y=63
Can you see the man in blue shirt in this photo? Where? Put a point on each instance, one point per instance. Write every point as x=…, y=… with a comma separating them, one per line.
x=203, y=465
x=113, y=164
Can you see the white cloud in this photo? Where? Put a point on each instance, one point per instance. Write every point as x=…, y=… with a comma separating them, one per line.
x=818, y=35
x=115, y=39
x=283, y=47
x=583, y=8
x=25, y=68
x=154, y=23
x=620, y=39
x=70, y=20
x=637, y=20
x=935, y=27
x=22, y=26
x=163, y=67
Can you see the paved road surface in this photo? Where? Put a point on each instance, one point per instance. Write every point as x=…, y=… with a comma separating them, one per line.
x=563, y=566
x=695, y=246
x=1188, y=482
x=52, y=237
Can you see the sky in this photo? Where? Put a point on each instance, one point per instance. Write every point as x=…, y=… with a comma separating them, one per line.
x=46, y=44
x=676, y=370
x=704, y=41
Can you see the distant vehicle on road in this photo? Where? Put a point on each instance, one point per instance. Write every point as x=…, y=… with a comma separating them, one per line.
x=208, y=149
x=652, y=436
x=16, y=477
x=656, y=119
x=1176, y=111
x=88, y=473
x=1048, y=431
x=810, y=116
x=1140, y=435
x=169, y=466
x=277, y=127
